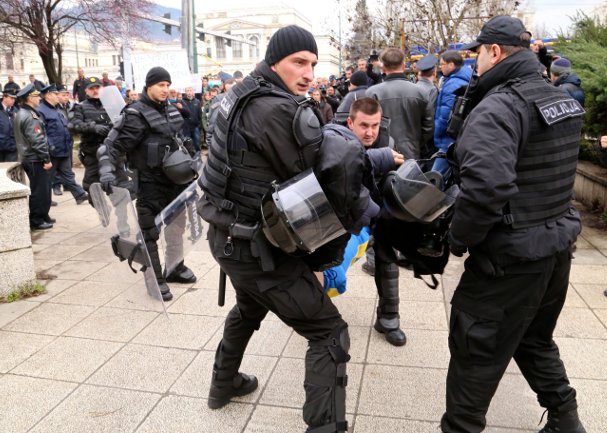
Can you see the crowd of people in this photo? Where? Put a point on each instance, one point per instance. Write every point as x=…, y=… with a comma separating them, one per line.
x=506, y=136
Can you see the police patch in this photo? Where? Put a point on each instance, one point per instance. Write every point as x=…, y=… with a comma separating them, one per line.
x=555, y=111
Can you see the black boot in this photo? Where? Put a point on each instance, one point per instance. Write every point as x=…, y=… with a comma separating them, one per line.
x=223, y=390
x=388, y=319
x=165, y=291
x=181, y=274
x=563, y=422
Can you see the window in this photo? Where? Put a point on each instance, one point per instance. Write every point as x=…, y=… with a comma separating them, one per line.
x=220, y=48
x=254, y=49
x=237, y=50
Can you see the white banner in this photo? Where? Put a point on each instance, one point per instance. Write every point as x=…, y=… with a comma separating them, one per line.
x=176, y=62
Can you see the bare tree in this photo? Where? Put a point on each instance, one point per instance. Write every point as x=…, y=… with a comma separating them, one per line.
x=433, y=24
x=45, y=22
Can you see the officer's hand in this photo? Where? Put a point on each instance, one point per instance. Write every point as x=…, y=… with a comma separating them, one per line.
x=102, y=130
x=47, y=165
x=398, y=157
x=457, y=249
x=107, y=180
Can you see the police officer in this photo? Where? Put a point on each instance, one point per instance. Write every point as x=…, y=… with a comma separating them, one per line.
x=267, y=130
x=517, y=155
x=34, y=156
x=8, y=147
x=60, y=143
x=90, y=120
x=151, y=128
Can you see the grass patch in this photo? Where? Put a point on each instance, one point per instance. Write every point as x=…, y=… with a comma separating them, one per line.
x=26, y=290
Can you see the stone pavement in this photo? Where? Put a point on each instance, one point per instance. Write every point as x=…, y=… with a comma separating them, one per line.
x=77, y=359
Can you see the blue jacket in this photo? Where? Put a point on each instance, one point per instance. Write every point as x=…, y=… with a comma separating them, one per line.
x=7, y=136
x=59, y=139
x=571, y=84
x=444, y=105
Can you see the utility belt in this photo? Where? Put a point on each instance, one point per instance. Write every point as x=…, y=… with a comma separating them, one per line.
x=255, y=243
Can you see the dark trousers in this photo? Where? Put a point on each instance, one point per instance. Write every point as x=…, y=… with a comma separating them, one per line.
x=91, y=170
x=498, y=314
x=40, y=198
x=294, y=294
x=62, y=173
x=8, y=156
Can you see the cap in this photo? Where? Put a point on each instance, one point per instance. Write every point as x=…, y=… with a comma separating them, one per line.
x=359, y=78
x=238, y=74
x=28, y=90
x=157, y=75
x=503, y=30
x=91, y=82
x=62, y=89
x=560, y=66
x=50, y=88
x=289, y=40
x=224, y=76
x=332, y=77
x=10, y=93
x=427, y=63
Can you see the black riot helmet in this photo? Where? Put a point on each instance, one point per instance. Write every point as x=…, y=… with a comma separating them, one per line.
x=414, y=196
x=297, y=216
x=179, y=166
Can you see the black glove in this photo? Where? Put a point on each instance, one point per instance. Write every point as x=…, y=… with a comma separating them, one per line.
x=457, y=249
x=107, y=180
x=102, y=130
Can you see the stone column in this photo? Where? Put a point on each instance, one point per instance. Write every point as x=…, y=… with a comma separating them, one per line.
x=16, y=254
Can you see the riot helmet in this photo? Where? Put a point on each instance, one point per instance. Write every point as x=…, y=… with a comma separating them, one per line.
x=179, y=166
x=297, y=216
x=414, y=196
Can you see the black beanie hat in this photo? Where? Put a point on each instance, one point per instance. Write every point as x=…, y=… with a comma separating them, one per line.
x=359, y=78
x=156, y=75
x=289, y=40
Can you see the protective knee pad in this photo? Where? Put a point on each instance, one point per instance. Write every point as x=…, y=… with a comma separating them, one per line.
x=325, y=407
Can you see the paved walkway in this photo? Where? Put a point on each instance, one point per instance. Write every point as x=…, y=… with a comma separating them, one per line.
x=77, y=359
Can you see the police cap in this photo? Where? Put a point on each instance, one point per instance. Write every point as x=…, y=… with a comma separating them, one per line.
x=502, y=30
x=92, y=82
x=426, y=63
x=28, y=90
x=11, y=93
x=50, y=88
x=62, y=89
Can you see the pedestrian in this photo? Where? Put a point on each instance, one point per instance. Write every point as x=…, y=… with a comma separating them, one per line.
x=516, y=156
x=274, y=134
x=34, y=156
x=8, y=147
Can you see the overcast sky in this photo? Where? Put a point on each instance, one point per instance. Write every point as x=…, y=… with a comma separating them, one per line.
x=554, y=14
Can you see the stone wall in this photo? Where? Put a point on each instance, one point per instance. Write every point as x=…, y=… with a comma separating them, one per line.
x=591, y=185
x=16, y=254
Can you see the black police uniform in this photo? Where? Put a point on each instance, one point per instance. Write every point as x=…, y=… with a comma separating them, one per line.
x=8, y=147
x=517, y=155
x=32, y=146
x=90, y=120
x=262, y=147
x=146, y=132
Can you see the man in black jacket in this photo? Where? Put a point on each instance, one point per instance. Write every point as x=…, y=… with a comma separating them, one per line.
x=8, y=147
x=90, y=120
x=34, y=156
x=192, y=123
x=151, y=128
x=517, y=157
x=276, y=136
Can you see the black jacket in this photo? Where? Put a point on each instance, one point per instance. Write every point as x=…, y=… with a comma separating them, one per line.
x=194, y=120
x=30, y=136
x=487, y=153
x=83, y=119
x=7, y=136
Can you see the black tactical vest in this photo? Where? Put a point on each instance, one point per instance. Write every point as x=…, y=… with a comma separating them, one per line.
x=235, y=178
x=162, y=129
x=548, y=156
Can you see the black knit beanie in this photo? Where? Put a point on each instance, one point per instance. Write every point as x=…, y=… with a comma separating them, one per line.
x=289, y=40
x=156, y=75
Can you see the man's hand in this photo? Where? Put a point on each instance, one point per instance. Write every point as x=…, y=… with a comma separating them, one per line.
x=102, y=130
x=107, y=180
x=47, y=166
x=604, y=141
x=398, y=157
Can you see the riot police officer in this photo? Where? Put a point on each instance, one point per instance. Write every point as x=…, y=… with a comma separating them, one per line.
x=90, y=120
x=148, y=134
x=268, y=131
x=517, y=156
x=32, y=146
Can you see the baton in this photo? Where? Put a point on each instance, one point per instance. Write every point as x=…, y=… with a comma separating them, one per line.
x=221, y=296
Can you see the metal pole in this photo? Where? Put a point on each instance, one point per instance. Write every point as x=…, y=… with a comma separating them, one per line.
x=194, y=39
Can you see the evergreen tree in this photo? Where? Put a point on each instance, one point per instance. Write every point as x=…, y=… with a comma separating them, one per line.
x=360, y=43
